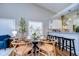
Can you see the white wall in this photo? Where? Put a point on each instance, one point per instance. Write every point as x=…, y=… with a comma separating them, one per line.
x=56, y=24
x=76, y=21
x=7, y=26
x=28, y=11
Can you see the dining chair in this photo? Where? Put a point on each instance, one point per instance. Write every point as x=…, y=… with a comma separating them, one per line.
x=47, y=48
x=24, y=50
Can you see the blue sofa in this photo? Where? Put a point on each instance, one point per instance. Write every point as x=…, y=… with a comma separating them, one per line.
x=4, y=41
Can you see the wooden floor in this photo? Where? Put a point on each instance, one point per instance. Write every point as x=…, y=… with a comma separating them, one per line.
x=59, y=52
x=48, y=50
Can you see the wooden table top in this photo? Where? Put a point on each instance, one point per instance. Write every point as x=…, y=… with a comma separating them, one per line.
x=18, y=42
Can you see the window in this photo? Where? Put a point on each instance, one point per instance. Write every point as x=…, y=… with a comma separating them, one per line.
x=35, y=27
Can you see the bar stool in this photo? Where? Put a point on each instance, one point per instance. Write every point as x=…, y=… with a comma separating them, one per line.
x=48, y=36
x=70, y=45
x=59, y=42
x=53, y=37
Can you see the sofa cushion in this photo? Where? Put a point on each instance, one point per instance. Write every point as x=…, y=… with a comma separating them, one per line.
x=2, y=37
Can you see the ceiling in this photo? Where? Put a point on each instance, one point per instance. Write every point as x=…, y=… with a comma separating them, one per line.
x=54, y=7
x=58, y=8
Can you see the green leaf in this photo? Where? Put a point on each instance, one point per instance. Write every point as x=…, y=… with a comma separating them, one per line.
x=22, y=25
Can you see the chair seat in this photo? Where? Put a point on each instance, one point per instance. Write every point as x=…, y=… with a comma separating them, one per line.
x=22, y=50
x=48, y=48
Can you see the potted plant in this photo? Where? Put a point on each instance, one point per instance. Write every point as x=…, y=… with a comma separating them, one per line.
x=77, y=29
x=34, y=35
x=22, y=28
